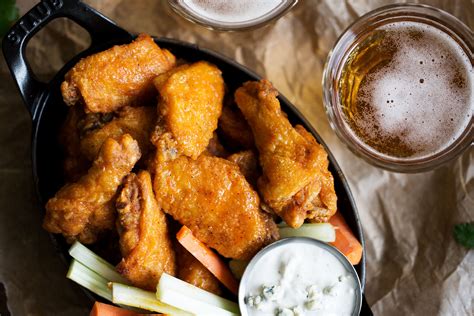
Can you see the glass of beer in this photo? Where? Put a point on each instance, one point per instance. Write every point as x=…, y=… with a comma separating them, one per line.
x=399, y=87
x=232, y=15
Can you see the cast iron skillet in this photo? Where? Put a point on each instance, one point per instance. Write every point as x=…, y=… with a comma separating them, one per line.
x=45, y=104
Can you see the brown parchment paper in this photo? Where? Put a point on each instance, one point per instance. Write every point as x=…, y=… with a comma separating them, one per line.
x=414, y=267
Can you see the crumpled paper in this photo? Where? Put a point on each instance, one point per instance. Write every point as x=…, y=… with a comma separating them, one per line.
x=414, y=266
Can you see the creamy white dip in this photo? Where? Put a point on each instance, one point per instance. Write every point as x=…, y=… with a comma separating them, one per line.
x=300, y=278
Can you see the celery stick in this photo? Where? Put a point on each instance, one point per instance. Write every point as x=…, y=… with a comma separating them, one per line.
x=321, y=231
x=89, y=279
x=190, y=303
x=132, y=296
x=168, y=282
x=95, y=263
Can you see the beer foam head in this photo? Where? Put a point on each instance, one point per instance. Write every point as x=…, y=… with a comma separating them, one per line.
x=231, y=11
x=424, y=95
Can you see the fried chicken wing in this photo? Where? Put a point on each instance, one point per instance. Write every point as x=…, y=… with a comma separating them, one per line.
x=211, y=197
x=295, y=166
x=84, y=209
x=192, y=271
x=189, y=107
x=136, y=121
x=144, y=237
x=122, y=75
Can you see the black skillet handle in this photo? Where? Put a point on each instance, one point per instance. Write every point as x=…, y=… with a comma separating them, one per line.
x=100, y=28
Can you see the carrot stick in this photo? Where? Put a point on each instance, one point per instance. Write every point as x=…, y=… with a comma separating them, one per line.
x=208, y=258
x=100, y=309
x=345, y=241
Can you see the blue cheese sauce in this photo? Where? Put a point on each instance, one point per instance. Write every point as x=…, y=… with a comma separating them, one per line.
x=298, y=278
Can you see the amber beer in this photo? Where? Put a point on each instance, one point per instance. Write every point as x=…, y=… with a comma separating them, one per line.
x=406, y=89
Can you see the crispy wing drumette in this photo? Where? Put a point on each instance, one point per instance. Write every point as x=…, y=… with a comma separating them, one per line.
x=144, y=237
x=296, y=183
x=211, y=197
x=192, y=271
x=119, y=76
x=84, y=209
x=190, y=105
x=136, y=121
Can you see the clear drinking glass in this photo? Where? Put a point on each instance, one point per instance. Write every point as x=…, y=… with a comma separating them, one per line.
x=338, y=57
x=231, y=15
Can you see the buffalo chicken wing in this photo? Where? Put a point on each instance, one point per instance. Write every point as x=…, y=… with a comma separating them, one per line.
x=136, y=121
x=144, y=237
x=120, y=76
x=84, y=209
x=211, y=197
x=189, y=107
x=296, y=183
